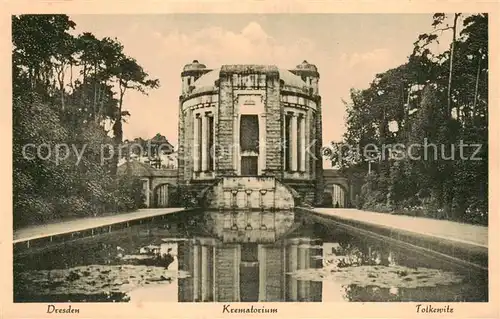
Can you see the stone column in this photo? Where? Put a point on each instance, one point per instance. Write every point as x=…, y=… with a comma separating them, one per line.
x=214, y=270
x=315, y=137
x=204, y=143
x=185, y=259
x=237, y=262
x=196, y=144
x=262, y=273
x=302, y=265
x=293, y=143
x=307, y=284
x=262, y=143
x=284, y=264
x=196, y=272
x=146, y=191
x=210, y=136
x=307, y=125
x=302, y=144
x=286, y=142
x=235, y=148
x=292, y=266
x=204, y=273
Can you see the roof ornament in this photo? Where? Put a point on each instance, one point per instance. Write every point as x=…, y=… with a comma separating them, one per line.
x=306, y=66
x=194, y=66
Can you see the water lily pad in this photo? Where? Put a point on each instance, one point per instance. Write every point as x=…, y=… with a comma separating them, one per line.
x=97, y=280
x=386, y=276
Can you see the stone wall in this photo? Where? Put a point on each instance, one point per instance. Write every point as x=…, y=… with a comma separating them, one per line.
x=227, y=273
x=160, y=180
x=185, y=258
x=274, y=272
x=249, y=192
x=181, y=152
x=332, y=176
x=224, y=129
x=274, y=126
x=305, y=189
x=319, y=161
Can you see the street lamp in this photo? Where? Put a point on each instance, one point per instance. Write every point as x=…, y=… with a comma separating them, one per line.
x=370, y=161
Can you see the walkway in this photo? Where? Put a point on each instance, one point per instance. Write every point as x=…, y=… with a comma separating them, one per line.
x=443, y=229
x=54, y=229
x=453, y=243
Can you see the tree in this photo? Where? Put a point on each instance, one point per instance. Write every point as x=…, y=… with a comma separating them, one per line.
x=418, y=98
x=438, y=21
x=129, y=75
x=61, y=115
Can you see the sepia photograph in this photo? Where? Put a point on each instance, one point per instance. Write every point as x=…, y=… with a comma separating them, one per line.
x=250, y=160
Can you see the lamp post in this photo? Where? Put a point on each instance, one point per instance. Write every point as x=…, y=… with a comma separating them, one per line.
x=369, y=166
x=370, y=161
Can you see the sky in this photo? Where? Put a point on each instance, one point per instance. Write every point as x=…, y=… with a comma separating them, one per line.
x=348, y=49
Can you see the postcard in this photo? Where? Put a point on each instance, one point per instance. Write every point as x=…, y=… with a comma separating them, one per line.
x=224, y=159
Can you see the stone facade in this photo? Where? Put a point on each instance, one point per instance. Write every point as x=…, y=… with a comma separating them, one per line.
x=252, y=193
x=159, y=185
x=162, y=184
x=285, y=107
x=251, y=120
x=234, y=272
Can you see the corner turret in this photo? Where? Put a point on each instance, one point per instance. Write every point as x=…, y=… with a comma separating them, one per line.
x=308, y=73
x=190, y=73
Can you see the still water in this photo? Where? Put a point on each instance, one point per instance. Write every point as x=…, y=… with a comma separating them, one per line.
x=244, y=256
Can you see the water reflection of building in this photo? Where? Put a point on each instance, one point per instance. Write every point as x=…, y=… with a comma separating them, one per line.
x=249, y=226
x=244, y=264
x=246, y=271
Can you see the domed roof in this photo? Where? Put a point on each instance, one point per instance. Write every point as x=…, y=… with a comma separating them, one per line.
x=207, y=80
x=291, y=79
x=306, y=66
x=195, y=65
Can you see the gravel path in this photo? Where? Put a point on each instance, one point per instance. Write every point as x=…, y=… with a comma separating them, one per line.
x=459, y=232
x=39, y=231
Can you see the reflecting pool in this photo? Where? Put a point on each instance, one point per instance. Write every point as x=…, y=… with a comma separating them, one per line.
x=238, y=256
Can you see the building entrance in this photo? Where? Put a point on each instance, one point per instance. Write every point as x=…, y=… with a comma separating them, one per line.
x=249, y=144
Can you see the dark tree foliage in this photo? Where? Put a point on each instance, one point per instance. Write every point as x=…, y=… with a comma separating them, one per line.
x=439, y=98
x=63, y=97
